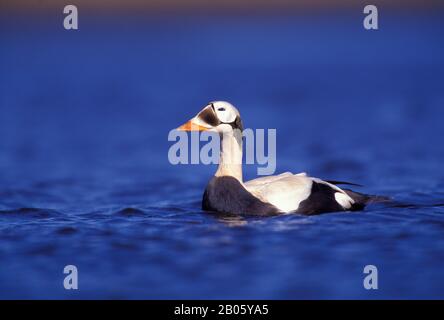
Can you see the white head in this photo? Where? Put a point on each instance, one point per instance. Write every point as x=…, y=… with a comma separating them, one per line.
x=223, y=118
x=219, y=116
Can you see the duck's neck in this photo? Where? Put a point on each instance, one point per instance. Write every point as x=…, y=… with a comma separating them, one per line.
x=230, y=162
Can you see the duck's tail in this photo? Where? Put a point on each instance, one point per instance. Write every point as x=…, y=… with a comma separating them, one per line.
x=362, y=200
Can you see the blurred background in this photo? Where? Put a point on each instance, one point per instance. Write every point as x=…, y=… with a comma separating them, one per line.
x=84, y=172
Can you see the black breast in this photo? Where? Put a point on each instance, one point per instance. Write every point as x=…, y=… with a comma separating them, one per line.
x=227, y=195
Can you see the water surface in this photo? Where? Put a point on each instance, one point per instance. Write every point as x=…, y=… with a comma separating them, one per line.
x=85, y=178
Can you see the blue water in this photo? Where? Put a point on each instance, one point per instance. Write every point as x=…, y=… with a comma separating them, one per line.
x=85, y=178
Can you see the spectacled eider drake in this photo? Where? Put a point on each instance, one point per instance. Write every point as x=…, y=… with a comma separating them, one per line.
x=284, y=193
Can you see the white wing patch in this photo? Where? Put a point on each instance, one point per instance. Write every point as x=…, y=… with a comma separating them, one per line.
x=344, y=200
x=302, y=174
x=285, y=191
x=288, y=199
x=266, y=180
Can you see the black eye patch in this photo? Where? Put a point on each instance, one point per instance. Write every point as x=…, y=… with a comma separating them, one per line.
x=221, y=109
x=208, y=116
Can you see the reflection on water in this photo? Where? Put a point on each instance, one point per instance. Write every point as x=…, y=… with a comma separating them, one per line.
x=231, y=220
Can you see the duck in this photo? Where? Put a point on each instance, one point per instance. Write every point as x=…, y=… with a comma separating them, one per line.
x=285, y=193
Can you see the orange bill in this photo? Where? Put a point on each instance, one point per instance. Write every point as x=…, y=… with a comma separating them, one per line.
x=191, y=126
